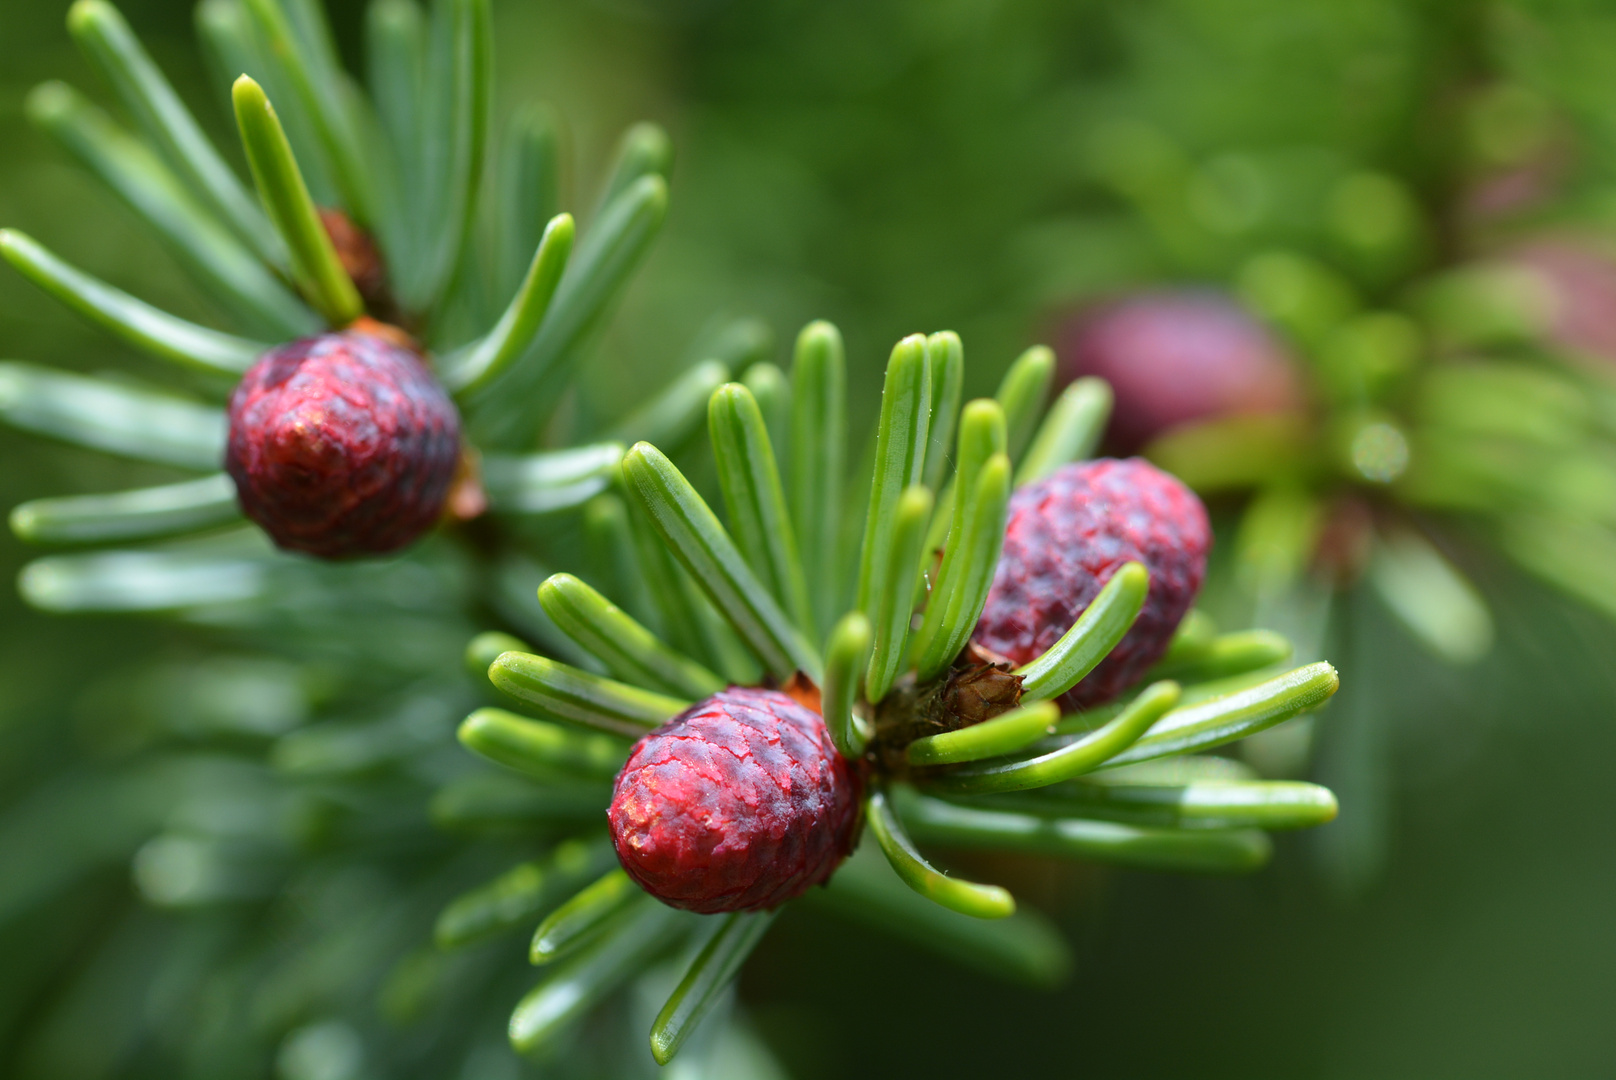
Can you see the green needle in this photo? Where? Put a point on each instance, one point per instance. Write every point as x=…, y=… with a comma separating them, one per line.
x=965, y=897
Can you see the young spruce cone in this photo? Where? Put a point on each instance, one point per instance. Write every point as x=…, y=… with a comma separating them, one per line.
x=342, y=445
x=739, y=803
x=1067, y=534
x=1176, y=357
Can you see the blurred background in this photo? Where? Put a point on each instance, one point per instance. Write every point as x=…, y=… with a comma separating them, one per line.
x=1000, y=169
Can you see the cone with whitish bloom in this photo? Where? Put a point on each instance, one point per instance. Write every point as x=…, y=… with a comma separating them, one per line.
x=745, y=759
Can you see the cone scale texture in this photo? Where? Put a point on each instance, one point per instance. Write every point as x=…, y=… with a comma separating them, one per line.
x=740, y=803
x=342, y=445
x=1067, y=534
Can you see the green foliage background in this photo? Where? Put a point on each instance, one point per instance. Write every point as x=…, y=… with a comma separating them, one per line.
x=914, y=165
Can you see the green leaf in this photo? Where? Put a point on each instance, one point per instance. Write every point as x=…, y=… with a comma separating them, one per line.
x=667, y=587
x=524, y=892
x=1226, y=655
x=935, y=545
x=564, y=692
x=314, y=38
x=846, y=655
x=1070, y=432
x=320, y=101
x=1022, y=394
x=136, y=322
x=730, y=656
x=816, y=461
x=739, y=342
x=1004, y=734
x=1529, y=402
x=539, y=748
x=1082, y=755
x=395, y=63
x=512, y=589
x=772, y=390
x=529, y=187
x=613, y=560
x=1087, y=720
x=967, y=569
x=713, y=969
x=1577, y=557
x=1193, y=728
x=965, y=897
x=629, y=650
x=315, y=266
x=982, y=434
x=1183, y=769
x=946, y=357
x=578, y=921
x=1278, y=536
x=506, y=803
x=1024, y=947
x=1241, y=451
x=1302, y=295
x=508, y=410
x=349, y=747
x=1204, y=804
x=485, y=648
x=114, y=51
x=577, y=984
x=900, y=458
x=550, y=481
x=702, y=546
x=671, y=417
x=966, y=575
x=1198, y=850
x=453, y=145
x=1430, y=596
x=120, y=420
x=150, y=581
x=474, y=365
x=1191, y=639
x=644, y=150
x=234, y=48
x=143, y=514
x=892, y=606
x=218, y=261
x=222, y=27
x=1196, y=693
x=1097, y=631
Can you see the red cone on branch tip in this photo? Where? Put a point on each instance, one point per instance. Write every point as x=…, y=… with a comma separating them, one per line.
x=342, y=445
x=1066, y=535
x=1173, y=357
x=739, y=803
